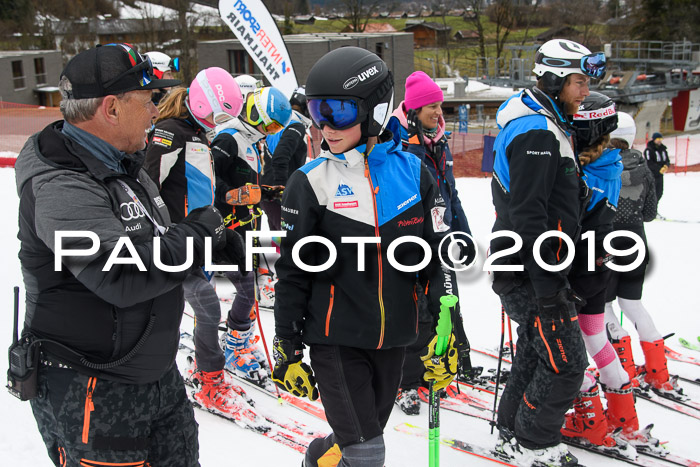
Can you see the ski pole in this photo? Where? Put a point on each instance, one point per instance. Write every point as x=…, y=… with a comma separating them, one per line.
x=443, y=331
x=498, y=368
x=257, y=315
x=510, y=339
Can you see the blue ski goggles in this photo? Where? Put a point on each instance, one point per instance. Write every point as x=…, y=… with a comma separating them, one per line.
x=594, y=65
x=338, y=114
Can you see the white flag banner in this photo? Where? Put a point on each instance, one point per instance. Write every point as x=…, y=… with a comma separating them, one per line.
x=254, y=27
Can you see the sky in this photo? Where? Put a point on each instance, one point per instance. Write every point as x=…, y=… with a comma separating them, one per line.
x=670, y=295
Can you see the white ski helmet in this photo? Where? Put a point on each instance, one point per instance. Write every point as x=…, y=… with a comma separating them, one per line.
x=163, y=63
x=626, y=128
x=559, y=58
x=247, y=84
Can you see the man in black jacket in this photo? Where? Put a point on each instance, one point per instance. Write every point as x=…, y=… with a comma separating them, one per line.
x=537, y=189
x=656, y=155
x=105, y=320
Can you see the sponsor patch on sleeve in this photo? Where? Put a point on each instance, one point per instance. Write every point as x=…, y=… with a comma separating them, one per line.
x=161, y=141
x=437, y=214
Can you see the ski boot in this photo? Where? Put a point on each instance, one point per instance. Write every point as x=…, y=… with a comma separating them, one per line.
x=239, y=356
x=588, y=419
x=266, y=286
x=252, y=343
x=622, y=415
x=621, y=411
x=656, y=372
x=408, y=401
x=215, y=393
x=510, y=450
x=624, y=352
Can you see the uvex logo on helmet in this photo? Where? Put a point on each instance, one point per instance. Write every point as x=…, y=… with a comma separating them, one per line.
x=355, y=80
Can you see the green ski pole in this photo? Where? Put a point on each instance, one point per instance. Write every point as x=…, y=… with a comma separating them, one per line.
x=443, y=330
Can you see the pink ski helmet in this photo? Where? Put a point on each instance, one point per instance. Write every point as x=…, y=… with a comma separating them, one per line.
x=214, y=91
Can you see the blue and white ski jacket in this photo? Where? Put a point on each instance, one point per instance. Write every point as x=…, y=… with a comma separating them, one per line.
x=603, y=178
x=387, y=194
x=179, y=161
x=537, y=186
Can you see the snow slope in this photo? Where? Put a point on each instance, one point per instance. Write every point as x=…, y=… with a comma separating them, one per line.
x=670, y=295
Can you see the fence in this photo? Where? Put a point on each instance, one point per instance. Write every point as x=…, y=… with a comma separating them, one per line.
x=19, y=121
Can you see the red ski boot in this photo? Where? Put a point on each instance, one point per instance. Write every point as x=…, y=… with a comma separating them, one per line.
x=621, y=411
x=655, y=365
x=624, y=352
x=588, y=420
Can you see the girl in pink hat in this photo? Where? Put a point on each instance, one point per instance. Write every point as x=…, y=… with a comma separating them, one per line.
x=422, y=132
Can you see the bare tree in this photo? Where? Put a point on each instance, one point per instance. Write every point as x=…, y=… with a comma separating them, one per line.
x=474, y=13
x=502, y=13
x=360, y=12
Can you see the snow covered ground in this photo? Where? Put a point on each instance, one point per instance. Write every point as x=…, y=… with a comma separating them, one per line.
x=670, y=295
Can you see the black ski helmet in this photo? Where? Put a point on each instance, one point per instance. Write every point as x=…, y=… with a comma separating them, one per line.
x=358, y=74
x=299, y=99
x=596, y=117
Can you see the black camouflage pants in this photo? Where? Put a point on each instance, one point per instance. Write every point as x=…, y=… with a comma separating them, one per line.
x=546, y=374
x=119, y=424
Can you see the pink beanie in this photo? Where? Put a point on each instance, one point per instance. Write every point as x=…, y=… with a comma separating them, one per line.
x=421, y=90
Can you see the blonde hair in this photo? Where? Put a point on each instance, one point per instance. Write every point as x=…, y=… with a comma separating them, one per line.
x=173, y=105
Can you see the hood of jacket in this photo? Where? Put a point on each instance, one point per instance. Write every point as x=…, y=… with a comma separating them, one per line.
x=400, y=115
x=247, y=131
x=356, y=156
x=54, y=150
x=607, y=166
x=301, y=118
x=635, y=167
x=531, y=102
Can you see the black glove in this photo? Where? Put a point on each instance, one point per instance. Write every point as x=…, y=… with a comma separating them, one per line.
x=290, y=373
x=207, y=222
x=272, y=193
x=414, y=127
x=561, y=306
x=232, y=251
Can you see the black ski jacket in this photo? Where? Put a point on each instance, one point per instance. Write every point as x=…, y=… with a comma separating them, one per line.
x=124, y=320
x=387, y=194
x=657, y=157
x=536, y=187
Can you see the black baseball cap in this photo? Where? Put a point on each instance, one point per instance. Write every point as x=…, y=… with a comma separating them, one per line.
x=111, y=69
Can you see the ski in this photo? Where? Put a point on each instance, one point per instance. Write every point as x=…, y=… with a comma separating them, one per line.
x=314, y=408
x=671, y=404
x=647, y=451
x=682, y=221
x=478, y=410
x=491, y=354
x=293, y=434
x=679, y=357
x=456, y=444
x=689, y=345
x=690, y=380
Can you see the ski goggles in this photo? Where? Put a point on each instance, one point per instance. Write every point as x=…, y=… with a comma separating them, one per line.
x=338, y=114
x=173, y=65
x=255, y=117
x=594, y=65
x=139, y=64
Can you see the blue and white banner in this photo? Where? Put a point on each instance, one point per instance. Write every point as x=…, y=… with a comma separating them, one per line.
x=255, y=28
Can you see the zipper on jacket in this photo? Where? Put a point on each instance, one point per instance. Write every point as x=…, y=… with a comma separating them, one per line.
x=379, y=253
x=89, y=407
x=560, y=241
x=330, y=310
